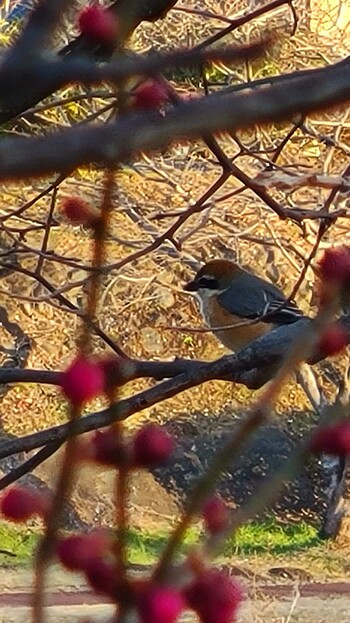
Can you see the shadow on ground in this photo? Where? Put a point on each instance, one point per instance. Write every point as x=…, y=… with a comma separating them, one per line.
x=156, y=498
x=266, y=451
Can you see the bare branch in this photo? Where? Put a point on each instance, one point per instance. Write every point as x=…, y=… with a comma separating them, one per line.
x=254, y=365
x=23, y=84
x=244, y=19
x=36, y=36
x=29, y=465
x=135, y=132
x=281, y=180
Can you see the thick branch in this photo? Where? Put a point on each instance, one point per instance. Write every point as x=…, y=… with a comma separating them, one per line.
x=37, y=35
x=135, y=132
x=256, y=362
x=21, y=83
x=129, y=14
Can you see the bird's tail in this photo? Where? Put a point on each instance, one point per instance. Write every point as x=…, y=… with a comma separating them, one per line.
x=307, y=379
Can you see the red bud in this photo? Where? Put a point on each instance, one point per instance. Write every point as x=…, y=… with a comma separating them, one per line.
x=82, y=381
x=160, y=604
x=334, y=440
x=215, y=515
x=152, y=446
x=335, y=265
x=150, y=94
x=19, y=504
x=333, y=340
x=98, y=24
x=215, y=597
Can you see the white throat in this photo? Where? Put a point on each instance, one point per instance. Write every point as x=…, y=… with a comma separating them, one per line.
x=203, y=297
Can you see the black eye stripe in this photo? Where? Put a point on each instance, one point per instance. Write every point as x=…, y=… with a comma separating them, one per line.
x=208, y=282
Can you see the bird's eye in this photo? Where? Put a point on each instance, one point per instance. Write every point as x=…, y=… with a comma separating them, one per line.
x=210, y=283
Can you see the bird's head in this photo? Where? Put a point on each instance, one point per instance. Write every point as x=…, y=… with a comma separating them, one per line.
x=213, y=278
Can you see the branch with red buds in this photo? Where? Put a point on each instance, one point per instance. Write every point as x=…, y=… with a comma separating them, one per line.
x=254, y=365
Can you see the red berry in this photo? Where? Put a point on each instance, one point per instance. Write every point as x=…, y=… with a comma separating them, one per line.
x=101, y=576
x=333, y=340
x=79, y=211
x=160, y=604
x=107, y=450
x=99, y=541
x=334, y=440
x=335, y=277
x=98, y=24
x=214, y=597
x=335, y=265
x=82, y=381
x=19, y=504
x=215, y=515
x=149, y=94
x=76, y=551
x=72, y=552
x=152, y=446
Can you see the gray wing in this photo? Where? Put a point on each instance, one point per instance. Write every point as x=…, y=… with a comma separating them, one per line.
x=251, y=297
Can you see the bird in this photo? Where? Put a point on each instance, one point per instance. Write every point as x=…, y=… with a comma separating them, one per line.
x=239, y=305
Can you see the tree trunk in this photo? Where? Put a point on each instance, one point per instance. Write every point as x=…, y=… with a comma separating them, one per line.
x=337, y=522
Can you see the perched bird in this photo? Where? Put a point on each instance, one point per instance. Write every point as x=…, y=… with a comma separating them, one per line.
x=245, y=305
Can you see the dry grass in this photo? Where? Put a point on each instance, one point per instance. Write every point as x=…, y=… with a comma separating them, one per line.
x=139, y=302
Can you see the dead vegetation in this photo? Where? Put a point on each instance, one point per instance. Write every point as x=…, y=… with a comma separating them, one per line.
x=142, y=306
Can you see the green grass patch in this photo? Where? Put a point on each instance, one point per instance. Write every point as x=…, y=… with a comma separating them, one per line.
x=17, y=544
x=256, y=538
x=146, y=547
x=273, y=538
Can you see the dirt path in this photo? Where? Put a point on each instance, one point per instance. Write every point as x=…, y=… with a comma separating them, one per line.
x=71, y=597
x=313, y=602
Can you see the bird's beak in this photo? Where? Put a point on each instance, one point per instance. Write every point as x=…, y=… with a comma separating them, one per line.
x=191, y=286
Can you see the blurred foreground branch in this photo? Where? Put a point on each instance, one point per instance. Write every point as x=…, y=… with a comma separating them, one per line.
x=132, y=133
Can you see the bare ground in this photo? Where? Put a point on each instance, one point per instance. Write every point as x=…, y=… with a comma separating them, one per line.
x=273, y=603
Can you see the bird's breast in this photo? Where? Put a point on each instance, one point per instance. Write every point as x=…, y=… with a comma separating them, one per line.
x=234, y=337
